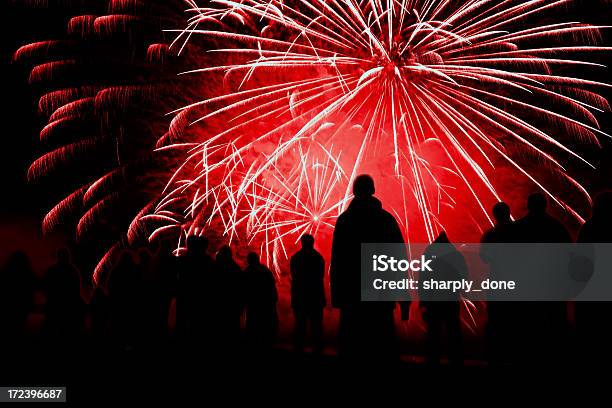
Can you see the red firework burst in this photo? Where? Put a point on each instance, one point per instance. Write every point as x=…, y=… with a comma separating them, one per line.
x=283, y=103
x=430, y=97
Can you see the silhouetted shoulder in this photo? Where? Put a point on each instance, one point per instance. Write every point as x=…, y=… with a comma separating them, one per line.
x=488, y=236
x=394, y=232
x=342, y=219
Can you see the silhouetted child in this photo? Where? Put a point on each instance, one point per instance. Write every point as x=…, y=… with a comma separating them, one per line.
x=367, y=329
x=308, y=293
x=441, y=308
x=261, y=299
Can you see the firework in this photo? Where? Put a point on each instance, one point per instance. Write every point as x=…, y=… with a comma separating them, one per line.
x=275, y=107
x=430, y=97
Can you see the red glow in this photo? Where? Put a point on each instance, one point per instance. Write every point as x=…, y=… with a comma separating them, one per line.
x=434, y=99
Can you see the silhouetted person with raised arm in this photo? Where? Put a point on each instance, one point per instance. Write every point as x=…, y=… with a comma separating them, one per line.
x=261, y=299
x=194, y=303
x=308, y=293
x=17, y=284
x=545, y=324
x=232, y=302
x=594, y=332
x=501, y=325
x=441, y=308
x=367, y=330
x=65, y=307
x=123, y=287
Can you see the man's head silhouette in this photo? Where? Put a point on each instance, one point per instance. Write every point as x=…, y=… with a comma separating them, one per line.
x=252, y=259
x=197, y=244
x=536, y=203
x=501, y=213
x=363, y=186
x=166, y=246
x=307, y=241
x=192, y=243
x=442, y=238
x=225, y=253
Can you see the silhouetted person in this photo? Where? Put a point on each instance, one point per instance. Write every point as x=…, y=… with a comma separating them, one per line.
x=545, y=324
x=99, y=310
x=17, y=284
x=123, y=287
x=152, y=322
x=308, y=293
x=504, y=229
x=599, y=227
x=441, y=308
x=538, y=226
x=367, y=330
x=594, y=331
x=261, y=299
x=164, y=268
x=65, y=307
x=195, y=308
x=230, y=277
x=501, y=325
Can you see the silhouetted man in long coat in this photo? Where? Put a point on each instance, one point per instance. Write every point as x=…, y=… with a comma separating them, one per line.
x=367, y=330
x=308, y=293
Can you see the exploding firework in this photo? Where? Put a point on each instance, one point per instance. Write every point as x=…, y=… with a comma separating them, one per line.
x=430, y=97
x=278, y=105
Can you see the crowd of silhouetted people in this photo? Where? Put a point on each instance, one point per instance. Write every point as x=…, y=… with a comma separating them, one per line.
x=154, y=298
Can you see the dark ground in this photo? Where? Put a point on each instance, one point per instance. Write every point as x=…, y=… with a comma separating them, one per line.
x=282, y=378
